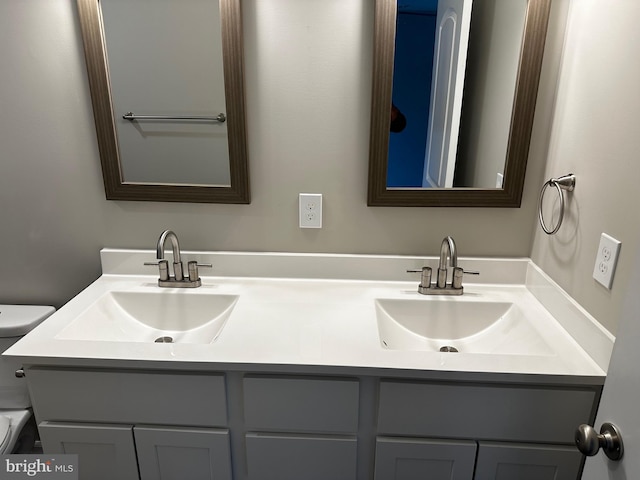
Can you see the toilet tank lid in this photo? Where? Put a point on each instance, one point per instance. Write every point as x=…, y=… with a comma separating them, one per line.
x=18, y=320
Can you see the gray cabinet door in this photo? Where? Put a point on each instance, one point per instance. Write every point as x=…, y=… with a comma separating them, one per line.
x=419, y=459
x=499, y=461
x=301, y=457
x=104, y=452
x=181, y=453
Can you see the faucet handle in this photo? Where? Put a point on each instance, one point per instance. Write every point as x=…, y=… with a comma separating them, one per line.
x=456, y=282
x=425, y=278
x=192, y=267
x=470, y=272
x=163, y=265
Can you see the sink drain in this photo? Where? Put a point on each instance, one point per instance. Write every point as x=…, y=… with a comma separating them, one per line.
x=164, y=340
x=448, y=348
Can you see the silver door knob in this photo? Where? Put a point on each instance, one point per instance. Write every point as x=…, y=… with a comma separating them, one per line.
x=589, y=441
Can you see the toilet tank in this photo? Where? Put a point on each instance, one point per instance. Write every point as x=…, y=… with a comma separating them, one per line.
x=15, y=322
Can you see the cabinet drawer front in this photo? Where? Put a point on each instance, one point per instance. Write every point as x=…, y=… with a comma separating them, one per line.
x=301, y=404
x=535, y=414
x=128, y=397
x=285, y=457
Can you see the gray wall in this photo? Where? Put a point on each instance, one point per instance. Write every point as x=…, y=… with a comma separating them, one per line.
x=596, y=135
x=308, y=67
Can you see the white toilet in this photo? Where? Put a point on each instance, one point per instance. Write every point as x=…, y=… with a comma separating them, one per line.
x=17, y=426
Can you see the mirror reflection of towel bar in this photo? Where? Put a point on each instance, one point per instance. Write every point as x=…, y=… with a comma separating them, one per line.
x=221, y=117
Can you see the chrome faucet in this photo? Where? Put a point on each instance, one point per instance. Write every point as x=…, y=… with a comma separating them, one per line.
x=448, y=252
x=178, y=279
x=175, y=247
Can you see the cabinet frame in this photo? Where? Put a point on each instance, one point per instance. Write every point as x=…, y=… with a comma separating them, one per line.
x=368, y=416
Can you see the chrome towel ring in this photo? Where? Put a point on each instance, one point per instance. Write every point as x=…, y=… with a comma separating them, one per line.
x=566, y=182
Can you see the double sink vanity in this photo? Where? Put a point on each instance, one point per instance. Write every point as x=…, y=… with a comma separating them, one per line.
x=316, y=366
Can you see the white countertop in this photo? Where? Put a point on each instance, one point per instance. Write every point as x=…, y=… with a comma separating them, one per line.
x=318, y=323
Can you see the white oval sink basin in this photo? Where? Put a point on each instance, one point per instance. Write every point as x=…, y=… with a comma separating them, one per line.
x=174, y=316
x=467, y=326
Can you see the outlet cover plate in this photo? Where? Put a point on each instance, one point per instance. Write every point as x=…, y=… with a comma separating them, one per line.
x=606, y=260
x=310, y=210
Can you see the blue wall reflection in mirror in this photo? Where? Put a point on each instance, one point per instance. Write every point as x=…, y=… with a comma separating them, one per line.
x=412, y=74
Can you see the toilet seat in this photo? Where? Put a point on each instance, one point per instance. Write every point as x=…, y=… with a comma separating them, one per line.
x=5, y=432
x=12, y=423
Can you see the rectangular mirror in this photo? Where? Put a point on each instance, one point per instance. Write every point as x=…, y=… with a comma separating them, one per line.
x=167, y=87
x=454, y=92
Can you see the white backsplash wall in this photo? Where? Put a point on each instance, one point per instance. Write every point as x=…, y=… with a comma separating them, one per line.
x=308, y=75
x=596, y=135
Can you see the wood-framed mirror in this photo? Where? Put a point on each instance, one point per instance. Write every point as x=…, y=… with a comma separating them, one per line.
x=519, y=120
x=194, y=151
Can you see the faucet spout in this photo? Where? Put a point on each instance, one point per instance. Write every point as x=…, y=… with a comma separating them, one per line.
x=175, y=246
x=447, y=252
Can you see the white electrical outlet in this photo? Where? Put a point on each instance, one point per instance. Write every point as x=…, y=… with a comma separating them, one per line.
x=606, y=260
x=310, y=210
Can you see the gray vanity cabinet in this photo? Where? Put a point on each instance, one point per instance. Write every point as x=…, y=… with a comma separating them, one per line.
x=521, y=431
x=238, y=425
x=132, y=425
x=301, y=427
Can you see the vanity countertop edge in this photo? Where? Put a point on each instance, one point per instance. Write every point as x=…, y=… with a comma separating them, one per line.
x=585, y=345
